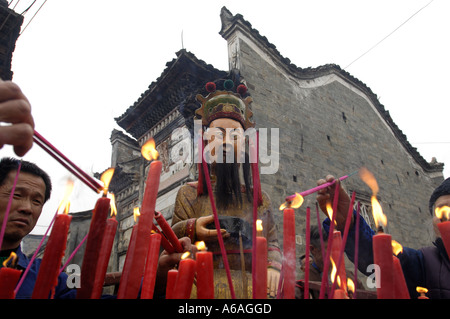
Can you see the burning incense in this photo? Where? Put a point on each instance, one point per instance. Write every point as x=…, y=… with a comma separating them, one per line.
x=68, y=164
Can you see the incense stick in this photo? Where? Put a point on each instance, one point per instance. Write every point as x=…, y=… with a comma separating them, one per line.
x=344, y=241
x=8, y=207
x=68, y=164
x=216, y=222
x=330, y=243
x=318, y=188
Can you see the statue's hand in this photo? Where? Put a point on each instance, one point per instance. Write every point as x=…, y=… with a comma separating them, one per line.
x=206, y=234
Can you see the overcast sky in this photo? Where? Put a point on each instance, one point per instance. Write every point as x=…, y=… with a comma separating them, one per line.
x=84, y=62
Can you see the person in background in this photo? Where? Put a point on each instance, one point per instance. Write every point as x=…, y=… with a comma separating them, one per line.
x=427, y=267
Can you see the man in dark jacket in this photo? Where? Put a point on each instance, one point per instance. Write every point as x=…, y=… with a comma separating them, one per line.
x=427, y=267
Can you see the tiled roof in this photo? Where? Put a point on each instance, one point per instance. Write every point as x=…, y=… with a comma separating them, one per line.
x=183, y=75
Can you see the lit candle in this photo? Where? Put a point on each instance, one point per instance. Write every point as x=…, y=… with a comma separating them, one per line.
x=9, y=278
x=382, y=254
x=307, y=243
x=205, y=273
x=444, y=226
x=339, y=293
x=422, y=291
x=289, y=271
x=94, y=240
x=381, y=242
x=144, y=226
x=401, y=289
x=47, y=277
x=93, y=246
x=336, y=256
x=171, y=279
x=105, y=253
x=288, y=267
x=148, y=284
x=260, y=282
x=185, y=278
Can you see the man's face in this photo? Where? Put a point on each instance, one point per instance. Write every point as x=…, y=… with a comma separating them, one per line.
x=26, y=206
x=229, y=134
x=442, y=201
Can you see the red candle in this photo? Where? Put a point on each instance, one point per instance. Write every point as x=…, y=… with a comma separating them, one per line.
x=401, y=289
x=171, y=279
x=168, y=232
x=289, y=272
x=185, y=279
x=103, y=260
x=9, y=278
x=8, y=281
x=205, y=275
x=339, y=294
x=444, y=229
x=148, y=285
x=382, y=257
x=335, y=254
x=307, y=243
x=133, y=280
x=93, y=247
x=47, y=277
x=126, y=270
x=260, y=278
x=443, y=213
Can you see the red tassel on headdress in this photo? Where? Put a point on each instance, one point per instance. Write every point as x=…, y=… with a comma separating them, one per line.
x=201, y=176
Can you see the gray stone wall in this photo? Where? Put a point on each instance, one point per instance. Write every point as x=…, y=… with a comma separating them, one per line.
x=328, y=126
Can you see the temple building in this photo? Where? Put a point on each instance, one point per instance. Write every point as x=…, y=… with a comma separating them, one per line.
x=10, y=23
x=319, y=121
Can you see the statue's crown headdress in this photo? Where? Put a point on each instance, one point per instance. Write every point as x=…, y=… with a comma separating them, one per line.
x=225, y=104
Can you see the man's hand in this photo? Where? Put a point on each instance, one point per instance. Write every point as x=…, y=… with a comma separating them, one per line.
x=327, y=195
x=16, y=111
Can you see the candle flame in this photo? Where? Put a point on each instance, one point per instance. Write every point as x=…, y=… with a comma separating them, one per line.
x=259, y=226
x=136, y=213
x=421, y=290
x=200, y=245
x=377, y=211
x=293, y=201
x=368, y=178
x=149, y=151
x=350, y=285
x=112, y=204
x=397, y=248
x=13, y=258
x=185, y=255
x=330, y=212
x=65, y=202
x=106, y=178
x=334, y=272
x=443, y=213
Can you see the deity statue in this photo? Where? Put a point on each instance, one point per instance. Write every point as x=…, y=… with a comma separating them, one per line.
x=225, y=116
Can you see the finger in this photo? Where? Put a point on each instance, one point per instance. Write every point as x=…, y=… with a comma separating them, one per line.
x=329, y=178
x=19, y=135
x=16, y=111
x=10, y=91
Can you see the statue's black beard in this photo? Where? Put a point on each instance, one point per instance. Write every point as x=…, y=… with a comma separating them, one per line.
x=228, y=184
